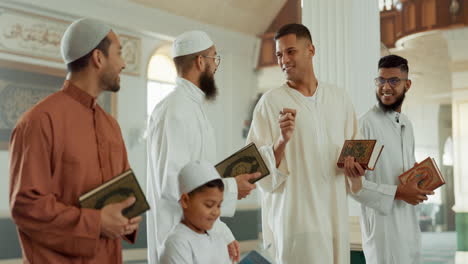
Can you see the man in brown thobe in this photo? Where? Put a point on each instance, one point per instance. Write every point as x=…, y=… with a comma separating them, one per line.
x=65, y=146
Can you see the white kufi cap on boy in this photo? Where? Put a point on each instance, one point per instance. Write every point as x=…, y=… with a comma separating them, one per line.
x=196, y=174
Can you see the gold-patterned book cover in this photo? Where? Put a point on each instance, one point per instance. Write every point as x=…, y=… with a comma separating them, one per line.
x=246, y=160
x=425, y=167
x=117, y=190
x=365, y=151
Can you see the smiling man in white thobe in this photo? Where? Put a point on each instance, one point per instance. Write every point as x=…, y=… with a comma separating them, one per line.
x=304, y=200
x=179, y=132
x=389, y=219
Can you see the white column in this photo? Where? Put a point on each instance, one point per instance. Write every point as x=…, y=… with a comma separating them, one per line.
x=346, y=35
x=457, y=41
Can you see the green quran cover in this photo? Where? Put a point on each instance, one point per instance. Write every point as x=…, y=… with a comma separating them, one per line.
x=117, y=190
x=365, y=152
x=246, y=160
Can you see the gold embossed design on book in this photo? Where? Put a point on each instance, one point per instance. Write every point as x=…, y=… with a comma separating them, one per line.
x=365, y=152
x=425, y=167
x=116, y=190
x=245, y=160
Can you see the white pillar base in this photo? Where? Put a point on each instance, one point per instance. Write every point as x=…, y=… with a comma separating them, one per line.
x=461, y=257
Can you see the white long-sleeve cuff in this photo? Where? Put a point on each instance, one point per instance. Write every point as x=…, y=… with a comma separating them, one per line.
x=277, y=175
x=228, y=207
x=376, y=196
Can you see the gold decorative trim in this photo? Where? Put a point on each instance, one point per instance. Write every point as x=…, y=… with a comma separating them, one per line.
x=31, y=35
x=131, y=53
x=109, y=99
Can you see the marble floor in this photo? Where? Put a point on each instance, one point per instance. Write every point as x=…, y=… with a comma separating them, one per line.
x=437, y=248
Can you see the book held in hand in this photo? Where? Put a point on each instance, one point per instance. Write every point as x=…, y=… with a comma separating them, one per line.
x=246, y=160
x=426, y=167
x=365, y=152
x=117, y=190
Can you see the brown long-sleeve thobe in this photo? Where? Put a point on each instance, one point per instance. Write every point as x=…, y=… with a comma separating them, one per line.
x=61, y=148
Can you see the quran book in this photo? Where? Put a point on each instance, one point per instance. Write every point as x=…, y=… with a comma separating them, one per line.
x=245, y=160
x=425, y=167
x=117, y=190
x=254, y=258
x=365, y=152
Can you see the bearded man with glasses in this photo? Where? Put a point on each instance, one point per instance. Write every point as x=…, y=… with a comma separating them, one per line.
x=389, y=219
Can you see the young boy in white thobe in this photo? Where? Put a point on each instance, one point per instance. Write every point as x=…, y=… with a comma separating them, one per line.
x=193, y=241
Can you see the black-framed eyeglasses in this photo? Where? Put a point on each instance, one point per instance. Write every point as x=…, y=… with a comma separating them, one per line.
x=394, y=81
x=217, y=59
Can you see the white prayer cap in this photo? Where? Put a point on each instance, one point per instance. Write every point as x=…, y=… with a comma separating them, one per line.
x=81, y=37
x=191, y=42
x=196, y=174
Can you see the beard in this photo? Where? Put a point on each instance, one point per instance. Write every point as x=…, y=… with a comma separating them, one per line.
x=110, y=82
x=208, y=85
x=391, y=107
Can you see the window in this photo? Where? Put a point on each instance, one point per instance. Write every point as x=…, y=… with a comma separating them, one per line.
x=386, y=5
x=447, y=158
x=381, y=5
x=161, y=77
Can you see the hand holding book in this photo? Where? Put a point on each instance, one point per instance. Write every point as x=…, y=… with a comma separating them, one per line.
x=120, y=201
x=411, y=193
x=245, y=183
x=428, y=168
x=352, y=168
x=115, y=191
x=247, y=160
x=365, y=152
x=419, y=181
x=114, y=224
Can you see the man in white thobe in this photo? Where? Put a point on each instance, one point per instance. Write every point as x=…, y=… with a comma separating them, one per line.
x=179, y=132
x=304, y=200
x=389, y=218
